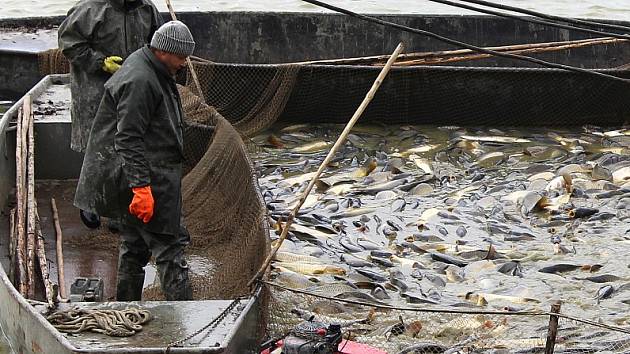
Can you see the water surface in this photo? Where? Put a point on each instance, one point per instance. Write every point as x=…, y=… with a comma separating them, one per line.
x=609, y=9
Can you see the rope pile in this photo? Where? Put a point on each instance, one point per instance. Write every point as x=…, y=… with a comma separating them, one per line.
x=114, y=323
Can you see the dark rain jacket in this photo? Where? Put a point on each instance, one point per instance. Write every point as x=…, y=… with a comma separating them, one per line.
x=92, y=31
x=136, y=140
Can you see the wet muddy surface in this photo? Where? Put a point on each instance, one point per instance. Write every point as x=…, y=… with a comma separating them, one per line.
x=87, y=253
x=171, y=321
x=492, y=219
x=93, y=253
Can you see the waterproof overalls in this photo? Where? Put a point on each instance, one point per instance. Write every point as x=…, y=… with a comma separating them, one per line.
x=92, y=31
x=136, y=140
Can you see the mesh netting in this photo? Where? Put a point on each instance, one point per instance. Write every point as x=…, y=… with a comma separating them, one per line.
x=253, y=96
x=395, y=331
x=53, y=61
x=433, y=330
x=224, y=213
x=578, y=337
x=252, y=100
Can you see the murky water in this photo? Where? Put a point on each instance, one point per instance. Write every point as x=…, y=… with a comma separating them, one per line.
x=611, y=9
x=480, y=218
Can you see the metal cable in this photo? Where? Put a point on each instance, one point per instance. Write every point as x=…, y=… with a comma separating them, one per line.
x=549, y=17
x=592, y=323
x=411, y=309
x=451, y=311
x=465, y=45
x=532, y=20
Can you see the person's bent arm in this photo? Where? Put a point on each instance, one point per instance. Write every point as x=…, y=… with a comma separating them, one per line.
x=75, y=34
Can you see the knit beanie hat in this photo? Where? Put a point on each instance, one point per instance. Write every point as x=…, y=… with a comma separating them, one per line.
x=174, y=37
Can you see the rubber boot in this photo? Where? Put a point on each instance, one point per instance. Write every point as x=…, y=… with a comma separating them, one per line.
x=114, y=226
x=174, y=280
x=129, y=287
x=91, y=220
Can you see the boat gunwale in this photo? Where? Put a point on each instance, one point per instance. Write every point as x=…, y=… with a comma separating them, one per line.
x=31, y=310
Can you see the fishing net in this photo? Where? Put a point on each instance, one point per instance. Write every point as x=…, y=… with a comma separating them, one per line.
x=578, y=337
x=426, y=329
x=253, y=96
x=252, y=100
x=223, y=209
x=53, y=61
x=429, y=329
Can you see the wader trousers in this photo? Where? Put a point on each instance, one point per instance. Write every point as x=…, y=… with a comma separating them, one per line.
x=137, y=246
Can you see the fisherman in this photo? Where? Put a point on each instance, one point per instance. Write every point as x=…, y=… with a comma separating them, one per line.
x=132, y=169
x=96, y=36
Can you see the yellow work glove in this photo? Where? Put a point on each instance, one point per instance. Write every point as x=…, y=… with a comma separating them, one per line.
x=112, y=64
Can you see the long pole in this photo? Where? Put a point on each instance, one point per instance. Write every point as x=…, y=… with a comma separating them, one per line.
x=30, y=204
x=536, y=50
x=60, y=267
x=377, y=59
x=193, y=73
x=51, y=298
x=20, y=179
x=12, y=246
x=331, y=153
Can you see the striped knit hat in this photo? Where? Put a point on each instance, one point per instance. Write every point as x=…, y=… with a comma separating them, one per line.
x=174, y=37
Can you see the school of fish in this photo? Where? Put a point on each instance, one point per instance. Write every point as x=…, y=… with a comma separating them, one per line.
x=451, y=217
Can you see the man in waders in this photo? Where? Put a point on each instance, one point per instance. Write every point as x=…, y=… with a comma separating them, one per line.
x=132, y=169
x=96, y=36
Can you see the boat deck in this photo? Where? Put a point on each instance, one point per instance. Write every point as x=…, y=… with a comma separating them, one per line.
x=87, y=253
x=171, y=321
x=94, y=253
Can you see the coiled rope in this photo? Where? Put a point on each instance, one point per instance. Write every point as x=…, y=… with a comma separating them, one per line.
x=114, y=323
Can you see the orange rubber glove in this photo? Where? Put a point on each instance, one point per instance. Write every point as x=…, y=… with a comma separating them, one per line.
x=142, y=203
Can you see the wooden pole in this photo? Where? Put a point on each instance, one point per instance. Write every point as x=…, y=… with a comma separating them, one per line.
x=21, y=200
x=60, y=267
x=331, y=154
x=43, y=263
x=534, y=50
x=552, y=331
x=370, y=60
x=193, y=73
x=30, y=205
x=12, y=246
